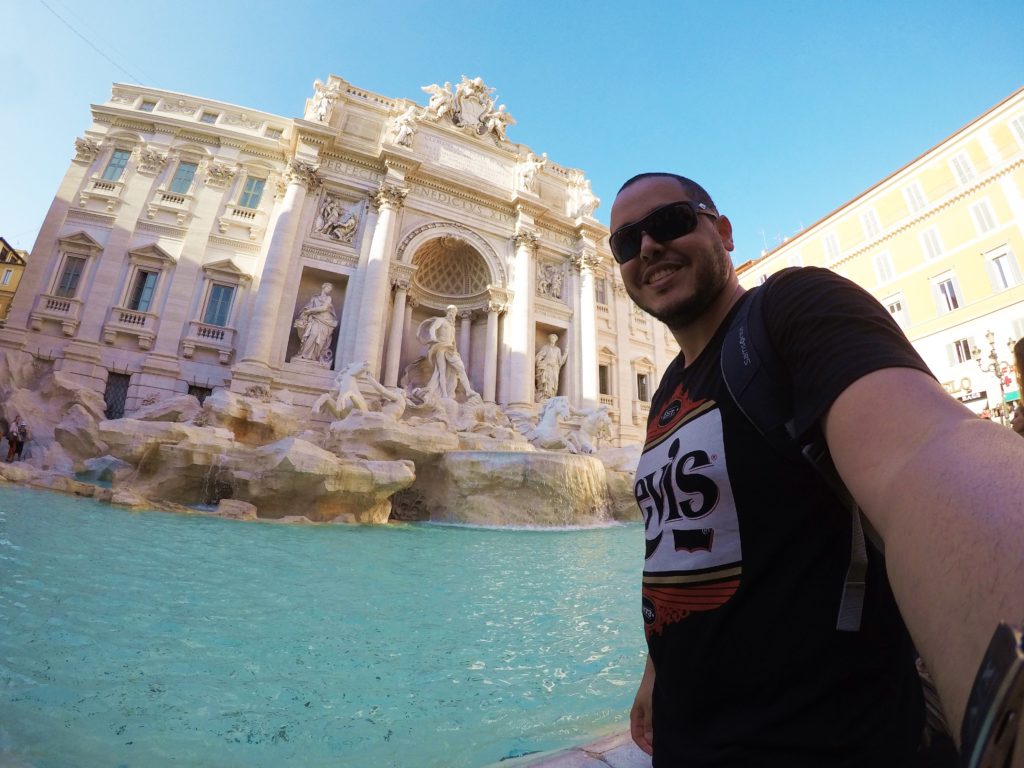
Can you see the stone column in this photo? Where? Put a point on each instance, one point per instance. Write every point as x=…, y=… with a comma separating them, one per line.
x=389, y=200
x=518, y=331
x=584, y=261
x=395, y=333
x=299, y=178
x=491, y=351
x=466, y=317
x=353, y=295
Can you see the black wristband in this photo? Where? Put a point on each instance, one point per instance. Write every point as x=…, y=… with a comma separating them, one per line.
x=993, y=714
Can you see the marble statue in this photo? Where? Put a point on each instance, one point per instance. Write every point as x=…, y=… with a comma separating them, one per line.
x=347, y=396
x=404, y=127
x=582, y=200
x=334, y=221
x=440, y=375
x=529, y=169
x=595, y=424
x=324, y=97
x=548, y=433
x=449, y=372
x=315, y=326
x=496, y=122
x=441, y=101
x=472, y=90
x=549, y=361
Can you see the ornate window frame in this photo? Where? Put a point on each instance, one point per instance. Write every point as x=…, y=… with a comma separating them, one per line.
x=141, y=324
x=67, y=310
x=202, y=335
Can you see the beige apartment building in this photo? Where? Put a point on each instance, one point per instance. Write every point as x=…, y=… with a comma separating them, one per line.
x=939, y=243
x=190, y=241
x=12, y=265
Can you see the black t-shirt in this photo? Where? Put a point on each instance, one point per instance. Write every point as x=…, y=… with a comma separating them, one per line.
x=747, y=554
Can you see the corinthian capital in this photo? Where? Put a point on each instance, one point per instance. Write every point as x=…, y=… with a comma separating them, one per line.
x=526, y=238
x=303, y=173
x=585, y=260
x=86, y=150
x=390, y=196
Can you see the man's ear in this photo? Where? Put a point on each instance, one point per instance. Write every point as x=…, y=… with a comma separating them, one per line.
x=725, y=231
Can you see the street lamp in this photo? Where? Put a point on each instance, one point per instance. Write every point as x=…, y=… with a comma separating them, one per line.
x=996, y=367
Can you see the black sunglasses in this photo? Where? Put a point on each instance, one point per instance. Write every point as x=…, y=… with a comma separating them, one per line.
x=665, y=223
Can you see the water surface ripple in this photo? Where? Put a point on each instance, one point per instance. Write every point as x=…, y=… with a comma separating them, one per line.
x=148, y=639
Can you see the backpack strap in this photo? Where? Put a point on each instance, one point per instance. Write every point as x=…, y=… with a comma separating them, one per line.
x=760, y=387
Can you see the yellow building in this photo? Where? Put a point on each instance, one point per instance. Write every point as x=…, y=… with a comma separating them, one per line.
x=12, y=265
x=939, y=243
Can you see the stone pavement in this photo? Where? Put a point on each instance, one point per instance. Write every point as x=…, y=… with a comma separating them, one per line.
x=616, y=751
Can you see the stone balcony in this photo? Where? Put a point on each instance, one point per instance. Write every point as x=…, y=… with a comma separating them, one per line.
x=173, y=203
x=131, y=322
x=107, y=193
x=66, y=312
x=216, y=338
x=250, y=222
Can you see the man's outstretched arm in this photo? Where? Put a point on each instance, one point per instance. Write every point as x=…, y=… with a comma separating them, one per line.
x=945, y=490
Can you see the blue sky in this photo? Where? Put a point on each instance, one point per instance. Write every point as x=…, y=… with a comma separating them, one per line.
x=783, y=110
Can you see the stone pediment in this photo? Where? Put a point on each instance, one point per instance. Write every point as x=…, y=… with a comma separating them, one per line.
x=80, y=241
x=227, y=267
x=152, y=253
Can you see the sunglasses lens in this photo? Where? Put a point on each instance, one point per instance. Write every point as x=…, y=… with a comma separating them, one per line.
x=664, y=224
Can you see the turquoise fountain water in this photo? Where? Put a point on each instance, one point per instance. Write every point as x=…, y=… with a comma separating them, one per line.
x=150, y=639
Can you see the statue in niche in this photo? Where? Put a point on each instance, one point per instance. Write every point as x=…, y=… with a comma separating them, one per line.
x=549, y=281
x=440, y=372
x=347, y=396
x=496, y=122
x=336, y=222
x=315, y=326
x=404, y=127
x=323, y=101
x=441, y=101
x=549, y=361
x=529, y=169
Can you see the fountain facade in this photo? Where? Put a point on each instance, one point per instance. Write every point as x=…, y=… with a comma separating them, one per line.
x=287, y=309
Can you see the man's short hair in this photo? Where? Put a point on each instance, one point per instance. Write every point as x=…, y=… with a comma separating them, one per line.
x=695, y=191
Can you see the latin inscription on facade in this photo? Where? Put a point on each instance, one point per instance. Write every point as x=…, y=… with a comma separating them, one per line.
x=461, y=158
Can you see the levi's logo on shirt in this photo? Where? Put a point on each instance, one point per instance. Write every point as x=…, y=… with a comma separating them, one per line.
x=693, y=558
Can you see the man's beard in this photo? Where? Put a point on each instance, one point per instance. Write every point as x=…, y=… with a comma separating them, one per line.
x=711, y=276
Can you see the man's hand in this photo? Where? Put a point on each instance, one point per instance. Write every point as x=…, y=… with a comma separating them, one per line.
x=641, y=720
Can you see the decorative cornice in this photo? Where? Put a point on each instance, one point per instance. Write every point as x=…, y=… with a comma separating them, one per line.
x=237, y=245
x=91, y=217
x=331, y=256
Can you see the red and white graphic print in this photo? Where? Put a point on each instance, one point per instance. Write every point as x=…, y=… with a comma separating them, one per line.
x=694, y=556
